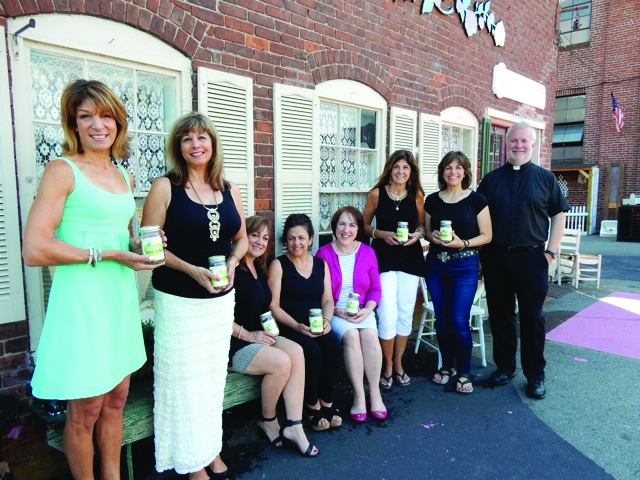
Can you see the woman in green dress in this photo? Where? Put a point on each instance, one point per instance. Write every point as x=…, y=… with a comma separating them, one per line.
x=80, y=221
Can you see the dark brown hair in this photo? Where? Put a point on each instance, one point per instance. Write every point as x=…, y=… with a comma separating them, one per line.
x=179, y=173
x=413, y=184
x=448, y=159
x=256, y=224
x=355, y=214
x=104, y=101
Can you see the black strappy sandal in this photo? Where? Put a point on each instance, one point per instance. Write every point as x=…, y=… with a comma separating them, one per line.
x=315, y=417
x=276, y=442
x=329, y=413
x=292, y=445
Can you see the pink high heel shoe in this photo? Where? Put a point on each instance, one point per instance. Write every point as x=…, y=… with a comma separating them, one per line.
x=379, y=414
x=359, y=417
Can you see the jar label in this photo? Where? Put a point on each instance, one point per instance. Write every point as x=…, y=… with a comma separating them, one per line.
x=270, y=326
x=152, y=247
x=220, y=276
x=353, y=306
x=316, y=322
x=403, y=234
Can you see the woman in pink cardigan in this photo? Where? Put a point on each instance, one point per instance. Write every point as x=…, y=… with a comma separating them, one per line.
x=354, y=269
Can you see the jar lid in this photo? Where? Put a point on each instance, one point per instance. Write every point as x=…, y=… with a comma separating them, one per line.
x=217, y=258
x=150, y=229
x=266, y=315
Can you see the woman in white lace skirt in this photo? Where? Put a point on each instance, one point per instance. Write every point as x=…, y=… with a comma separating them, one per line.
x=203, y=216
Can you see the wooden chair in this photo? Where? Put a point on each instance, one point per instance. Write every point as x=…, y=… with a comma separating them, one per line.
x=427, y=332
x=588, y=269
x=567, y=253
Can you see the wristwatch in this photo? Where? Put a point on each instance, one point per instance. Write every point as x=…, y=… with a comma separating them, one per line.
x=551, y=254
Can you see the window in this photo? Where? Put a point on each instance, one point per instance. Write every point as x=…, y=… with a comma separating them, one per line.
x=349, y=148
x=153, y=81
x=568, y=130
x=459, y=139
x=459, y=133
x=575, y=22
x=149, y=97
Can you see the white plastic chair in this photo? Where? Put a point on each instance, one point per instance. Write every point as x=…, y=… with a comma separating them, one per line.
x=427, y=332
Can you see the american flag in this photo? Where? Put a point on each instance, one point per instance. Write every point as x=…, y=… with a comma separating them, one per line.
x=617, y=113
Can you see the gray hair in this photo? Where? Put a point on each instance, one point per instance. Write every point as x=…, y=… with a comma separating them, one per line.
x=520, y=125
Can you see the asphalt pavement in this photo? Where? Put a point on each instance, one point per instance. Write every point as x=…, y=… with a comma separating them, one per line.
x=587, y=427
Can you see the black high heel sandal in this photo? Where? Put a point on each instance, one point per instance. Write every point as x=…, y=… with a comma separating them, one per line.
x=315, y=416
x=329, y=413
x=276, y=442
x=292, y=445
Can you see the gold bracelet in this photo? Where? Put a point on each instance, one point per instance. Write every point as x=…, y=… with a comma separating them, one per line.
x=240, y=332
x=373, y=233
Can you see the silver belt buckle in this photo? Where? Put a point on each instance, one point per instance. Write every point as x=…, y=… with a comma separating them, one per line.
x=443, y=257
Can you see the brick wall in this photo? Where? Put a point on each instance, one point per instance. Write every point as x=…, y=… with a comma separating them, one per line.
x=421, y=62
x=611, y=61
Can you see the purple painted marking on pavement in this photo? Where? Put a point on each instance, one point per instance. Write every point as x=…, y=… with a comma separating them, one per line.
x=429, y=425
x=578, y=359
x=604, y=327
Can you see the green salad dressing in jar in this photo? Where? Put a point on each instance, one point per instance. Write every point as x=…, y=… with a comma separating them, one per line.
x=151, y=243
x=446, y=232
x=218, y=266
x=353, y=304
x=403, y=232
x=269, y=324
x=316, y=322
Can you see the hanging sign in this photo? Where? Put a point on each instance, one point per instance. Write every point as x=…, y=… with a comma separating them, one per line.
x=473, y=19
x=509, y=84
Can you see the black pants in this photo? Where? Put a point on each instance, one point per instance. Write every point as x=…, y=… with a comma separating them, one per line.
x=322, y=359
x=523, y=275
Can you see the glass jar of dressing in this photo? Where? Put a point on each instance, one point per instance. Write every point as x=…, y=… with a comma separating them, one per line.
x=151, y=243
x=218, y=266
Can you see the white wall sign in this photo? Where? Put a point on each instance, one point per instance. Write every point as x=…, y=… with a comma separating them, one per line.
x=518, y=87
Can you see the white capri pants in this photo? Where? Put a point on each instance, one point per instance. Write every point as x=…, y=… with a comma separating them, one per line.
x=398, y=301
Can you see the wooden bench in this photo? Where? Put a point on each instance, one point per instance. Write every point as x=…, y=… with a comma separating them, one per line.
x=138, y=413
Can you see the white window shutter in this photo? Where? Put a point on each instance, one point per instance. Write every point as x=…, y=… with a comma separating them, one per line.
x=296, y=155
x=11, y=286
x=227, y=99
x=429, y=151
x=403, y=130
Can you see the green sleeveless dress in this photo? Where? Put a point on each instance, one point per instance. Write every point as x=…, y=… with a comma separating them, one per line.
x=92, y=334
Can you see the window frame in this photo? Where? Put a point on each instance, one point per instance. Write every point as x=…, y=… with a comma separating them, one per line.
x=354, y=94
x=102, y=40
x=569, y=33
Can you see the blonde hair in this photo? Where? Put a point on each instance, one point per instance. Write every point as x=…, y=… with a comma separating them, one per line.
x=521, y=125
x=104, y=101
x=179, y=173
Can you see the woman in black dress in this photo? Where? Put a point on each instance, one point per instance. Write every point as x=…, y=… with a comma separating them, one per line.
x=300, y=282
x=397, y=197
x=256, y=352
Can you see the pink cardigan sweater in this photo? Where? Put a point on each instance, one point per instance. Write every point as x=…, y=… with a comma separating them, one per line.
x=366, y=278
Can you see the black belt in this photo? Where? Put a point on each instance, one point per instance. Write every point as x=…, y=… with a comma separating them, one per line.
x=515, y=249
x=447, y=257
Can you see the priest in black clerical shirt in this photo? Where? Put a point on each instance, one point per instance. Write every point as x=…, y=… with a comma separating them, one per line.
x=523, y=199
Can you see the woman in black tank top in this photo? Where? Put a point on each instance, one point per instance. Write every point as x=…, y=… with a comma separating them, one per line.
x=397, y=197
x=300, y=282
x=202, y=216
